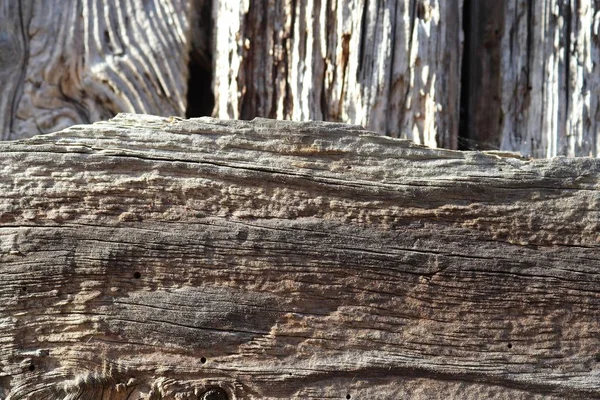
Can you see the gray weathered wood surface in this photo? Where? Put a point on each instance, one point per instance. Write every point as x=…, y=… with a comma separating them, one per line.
x=393, y=66
x=159, y=258
x=533, y=78
x=70, y=62
x=530, y=81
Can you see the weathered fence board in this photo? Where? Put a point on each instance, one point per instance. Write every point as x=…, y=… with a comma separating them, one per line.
x=528, y=80
x=533, y=78
x=163, y=258
x=68, y=62
x=392, y=66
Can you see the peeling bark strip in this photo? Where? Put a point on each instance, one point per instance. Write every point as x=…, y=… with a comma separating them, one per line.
x=165, y=259
x=393, y=66
x=535, y=76
x=68, y=62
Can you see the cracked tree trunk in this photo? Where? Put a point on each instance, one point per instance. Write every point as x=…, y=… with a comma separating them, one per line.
x=152, y=258
x=392, y=66
x=68, y=62
x=533, y=77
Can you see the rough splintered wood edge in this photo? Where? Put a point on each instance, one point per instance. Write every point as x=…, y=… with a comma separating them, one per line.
x=150, y=257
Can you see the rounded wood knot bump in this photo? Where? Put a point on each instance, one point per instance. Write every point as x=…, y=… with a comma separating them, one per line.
x=214, y=394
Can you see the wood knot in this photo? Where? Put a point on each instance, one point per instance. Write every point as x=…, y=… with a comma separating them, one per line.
x=214, y=394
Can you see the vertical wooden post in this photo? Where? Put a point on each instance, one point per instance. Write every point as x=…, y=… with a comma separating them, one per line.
x=534, y=88
x=392, y=66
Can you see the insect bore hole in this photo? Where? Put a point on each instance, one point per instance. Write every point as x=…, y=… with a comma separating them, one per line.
x=137, y=275
x=509, y=345
x=348, y=397
x=32, y=367
x=203, y=360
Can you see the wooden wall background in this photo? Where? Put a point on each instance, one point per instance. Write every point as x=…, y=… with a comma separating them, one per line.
x=518, y=75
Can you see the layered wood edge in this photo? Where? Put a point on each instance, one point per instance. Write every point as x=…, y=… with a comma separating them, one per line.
x=161, y=258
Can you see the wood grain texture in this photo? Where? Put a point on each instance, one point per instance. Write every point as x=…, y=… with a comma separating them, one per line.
x=69, y=62
x=393, y=66
x=534, y=79
x=160, y=258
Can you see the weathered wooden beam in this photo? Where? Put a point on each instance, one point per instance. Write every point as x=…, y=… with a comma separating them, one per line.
x=160, y=258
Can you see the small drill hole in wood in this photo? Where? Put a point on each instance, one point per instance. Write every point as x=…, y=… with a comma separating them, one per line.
x=348, y=397
x=509, y=345
x=24, y=289
x=32, y=367
x=137, y=275
x=203, y=360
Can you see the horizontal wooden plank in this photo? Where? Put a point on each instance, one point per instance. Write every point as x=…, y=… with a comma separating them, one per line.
x=158, y=258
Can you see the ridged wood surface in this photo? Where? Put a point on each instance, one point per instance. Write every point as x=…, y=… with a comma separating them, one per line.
x=391, y=66
x=153, y=258
x=533, y=77
x=69, y=62
x=514, y=75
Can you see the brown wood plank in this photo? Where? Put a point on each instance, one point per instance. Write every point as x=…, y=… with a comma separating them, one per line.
x=162, y=258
